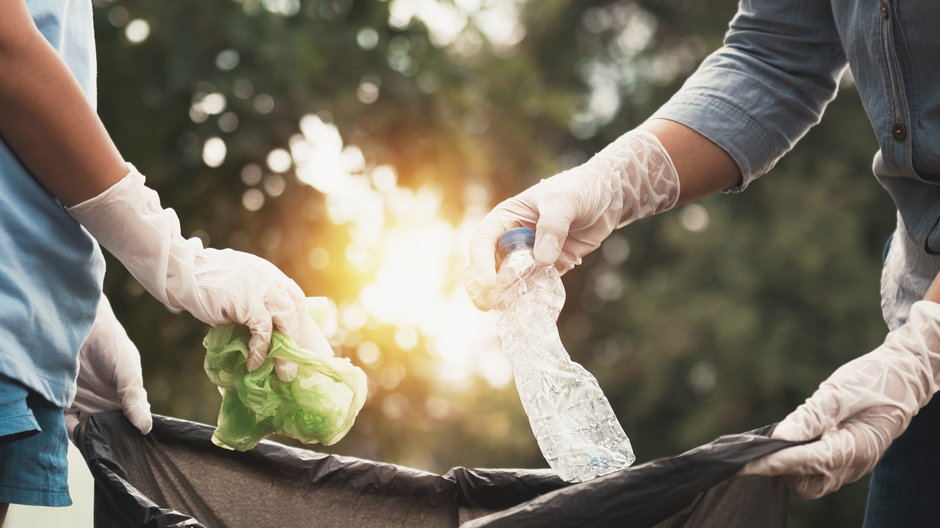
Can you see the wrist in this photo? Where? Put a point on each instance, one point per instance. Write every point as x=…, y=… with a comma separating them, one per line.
x=642, y=174
x=132, y=178
x=933, y=292
x=919, y=339
x=702, y=166
x=128, y=220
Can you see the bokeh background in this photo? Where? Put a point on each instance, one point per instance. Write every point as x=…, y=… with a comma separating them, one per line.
x=356, y=143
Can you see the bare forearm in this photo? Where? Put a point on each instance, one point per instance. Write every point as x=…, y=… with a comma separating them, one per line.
x=933, y=292
x=704, y=168
x=46, y=119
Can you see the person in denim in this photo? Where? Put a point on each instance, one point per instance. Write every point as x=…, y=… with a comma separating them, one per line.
x=747, y=105
x=64, y=190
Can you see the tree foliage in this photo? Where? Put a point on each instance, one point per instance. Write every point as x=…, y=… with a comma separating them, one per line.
x=716, y=318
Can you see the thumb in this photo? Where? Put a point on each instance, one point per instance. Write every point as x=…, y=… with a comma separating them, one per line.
x=286, y=370
x=134, y=404
x=821, y=412
x=136, y=409
x=139, y=416
x=129, y=384
x=480, y=275
x=814, y=469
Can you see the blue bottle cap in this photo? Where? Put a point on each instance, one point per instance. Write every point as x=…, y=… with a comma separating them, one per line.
x=514, y=239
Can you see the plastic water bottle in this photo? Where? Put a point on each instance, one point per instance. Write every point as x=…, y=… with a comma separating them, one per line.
x=575, y=427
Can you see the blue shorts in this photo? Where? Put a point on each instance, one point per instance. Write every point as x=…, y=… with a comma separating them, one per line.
x=33, y=448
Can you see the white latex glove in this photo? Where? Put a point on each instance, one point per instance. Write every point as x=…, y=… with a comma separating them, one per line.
x=859, y=410
x=574, y=211
x=109, y=375
x=215, y=286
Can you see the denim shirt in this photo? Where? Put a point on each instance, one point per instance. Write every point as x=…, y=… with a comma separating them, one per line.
x=779, y=68
x=51, y=271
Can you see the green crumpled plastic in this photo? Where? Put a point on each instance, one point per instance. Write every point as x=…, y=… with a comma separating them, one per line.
x=319, y=405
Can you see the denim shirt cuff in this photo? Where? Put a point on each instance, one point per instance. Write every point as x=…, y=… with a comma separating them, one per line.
x=725, y=125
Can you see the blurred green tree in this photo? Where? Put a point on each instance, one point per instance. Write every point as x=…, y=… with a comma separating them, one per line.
x=716, y=318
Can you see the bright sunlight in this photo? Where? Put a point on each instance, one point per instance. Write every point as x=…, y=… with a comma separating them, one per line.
x=409, y=257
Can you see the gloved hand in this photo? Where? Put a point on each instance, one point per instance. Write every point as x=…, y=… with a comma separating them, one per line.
x=574, y=211
x=215, y=286
x=109, y=375
x=859, y=410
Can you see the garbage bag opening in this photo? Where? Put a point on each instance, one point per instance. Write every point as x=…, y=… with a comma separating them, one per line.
x=176, y=477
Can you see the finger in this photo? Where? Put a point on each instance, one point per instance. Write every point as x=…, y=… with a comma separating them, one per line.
x=480, y=275
x=812, y=486
x=480, y=290
x=806, y=459
x=820, y=413
x=581, y=242
x=310, y=337
x=127, y=379
x=260, y=325
x=296, y=322
x=569, y=255
x=821, y=467
x=134, y=402
x=286, y=316
x=849, y=454
x=551, y=231
x=286, y=370
x=548, y=245
x=138, y=414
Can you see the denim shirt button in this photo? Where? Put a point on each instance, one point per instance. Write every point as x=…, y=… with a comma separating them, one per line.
x=899, y=131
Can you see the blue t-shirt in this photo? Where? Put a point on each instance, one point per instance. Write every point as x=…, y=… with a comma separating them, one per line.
x=50, y=279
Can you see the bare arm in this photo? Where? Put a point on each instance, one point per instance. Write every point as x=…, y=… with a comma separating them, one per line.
x=644, y=172
x=44, y=115
x=55, y=132
x=933, y=293
x=703, y=167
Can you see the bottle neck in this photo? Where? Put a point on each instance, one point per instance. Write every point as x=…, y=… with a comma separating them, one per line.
x=520, y=257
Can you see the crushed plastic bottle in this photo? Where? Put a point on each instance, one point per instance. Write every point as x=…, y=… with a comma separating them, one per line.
x=319, y=405
x=575, y=427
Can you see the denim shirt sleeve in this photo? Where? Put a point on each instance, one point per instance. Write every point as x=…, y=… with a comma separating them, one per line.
x=770, y=82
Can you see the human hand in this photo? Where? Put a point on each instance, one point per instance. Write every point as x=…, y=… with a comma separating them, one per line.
x=215, y=286
x=574, y=211
x=232, y=286
x=109, y=374
x=856, y=413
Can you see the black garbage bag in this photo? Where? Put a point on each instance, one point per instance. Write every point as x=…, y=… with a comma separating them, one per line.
x=176, y=477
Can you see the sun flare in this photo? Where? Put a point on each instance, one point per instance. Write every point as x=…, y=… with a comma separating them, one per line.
x=409, y=257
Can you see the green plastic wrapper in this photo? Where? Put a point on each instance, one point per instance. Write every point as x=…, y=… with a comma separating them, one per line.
x=319, y=405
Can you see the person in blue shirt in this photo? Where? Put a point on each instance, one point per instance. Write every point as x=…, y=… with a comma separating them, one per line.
x=747, y=105
x=64, y=190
